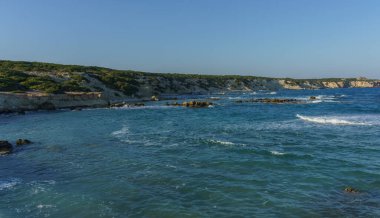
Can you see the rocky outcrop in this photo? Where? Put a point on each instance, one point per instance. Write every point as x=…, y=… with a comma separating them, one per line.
x=362, y=84
x=272, y=101
x=20, y=142
x=351, y=190
x=194, y=104
x=5, y=147
x=125, y=104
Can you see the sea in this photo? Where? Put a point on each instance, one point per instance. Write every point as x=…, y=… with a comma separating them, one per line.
x=227, y=160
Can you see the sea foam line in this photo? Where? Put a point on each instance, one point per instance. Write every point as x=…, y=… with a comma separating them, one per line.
x=221, y=142
x=329, y=120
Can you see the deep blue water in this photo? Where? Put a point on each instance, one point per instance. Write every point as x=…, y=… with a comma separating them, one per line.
x=230, y=160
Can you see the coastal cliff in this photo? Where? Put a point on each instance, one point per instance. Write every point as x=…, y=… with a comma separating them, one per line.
x=19, y=102
x=34, y=85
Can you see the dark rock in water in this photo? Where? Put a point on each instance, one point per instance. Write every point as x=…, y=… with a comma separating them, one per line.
x=22, y=142
x=123, y=104
x=313, y=98
x=46, y=106
x=118, y=104
x=196, y=104
x=5, y=147
x=76, y=108
x=272, y=101
x=351, y=190
x=21, y=112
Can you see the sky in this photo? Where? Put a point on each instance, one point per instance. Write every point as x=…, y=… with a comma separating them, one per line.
x=276, y=38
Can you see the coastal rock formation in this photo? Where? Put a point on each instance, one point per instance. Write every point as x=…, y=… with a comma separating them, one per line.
x=195, y=104
x=154, y=98
x=361, y=84
x=5, y=147
x=124, y=104
x=272, y=101
x=18, y=102
x=23, y=142
x=351, y=190
x=313, y=98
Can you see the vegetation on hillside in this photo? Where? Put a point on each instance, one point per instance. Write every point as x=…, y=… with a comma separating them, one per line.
x=19, y=76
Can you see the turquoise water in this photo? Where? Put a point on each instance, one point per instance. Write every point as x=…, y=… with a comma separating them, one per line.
x=230, y=160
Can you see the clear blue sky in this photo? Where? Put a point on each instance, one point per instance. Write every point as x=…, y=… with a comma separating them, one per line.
x=283, y=38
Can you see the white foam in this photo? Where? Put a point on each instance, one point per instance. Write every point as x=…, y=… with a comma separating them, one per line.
x=316, y=101
x=330, y=120
x=234, y=98
x=277, y=153
x=222, y=142
x=273, y=93
x=121, y=132
x=9, y=183
x=41, y=206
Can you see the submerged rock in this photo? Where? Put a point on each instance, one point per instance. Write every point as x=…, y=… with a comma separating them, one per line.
x=351, y=190
x=272, y=100
x=23, y=142
x=5, y=147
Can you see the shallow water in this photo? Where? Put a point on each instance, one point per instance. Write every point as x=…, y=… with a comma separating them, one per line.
x=240, y=160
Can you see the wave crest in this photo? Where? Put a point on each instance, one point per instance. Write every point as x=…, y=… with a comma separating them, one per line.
x=9, y=183
x=221, y=142
x=330, y=120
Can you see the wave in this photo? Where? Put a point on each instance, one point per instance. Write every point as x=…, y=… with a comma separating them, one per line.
x=9, y=183
x=221, y=142
x=277, y=153
x=272, y=93
x=41, y=206
x=331, y=120
x=121, y=132
x=316, y=101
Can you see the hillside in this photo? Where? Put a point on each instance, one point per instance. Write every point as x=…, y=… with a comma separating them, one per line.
x=20, y=77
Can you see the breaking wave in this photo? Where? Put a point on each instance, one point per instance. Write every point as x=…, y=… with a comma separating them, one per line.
x=221, y=142
x=123, y=131
x=277, y=153
x=331, y=120
x=9, y=183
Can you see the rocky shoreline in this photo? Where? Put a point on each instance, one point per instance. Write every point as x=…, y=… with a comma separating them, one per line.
x=33, y=86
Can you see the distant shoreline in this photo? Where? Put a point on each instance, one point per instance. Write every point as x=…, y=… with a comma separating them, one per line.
x=28, y=86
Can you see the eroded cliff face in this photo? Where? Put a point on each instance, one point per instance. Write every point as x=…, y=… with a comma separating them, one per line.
x=13, y=102
x=363, y=84
x=161, y=85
